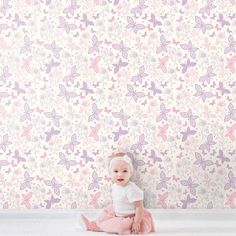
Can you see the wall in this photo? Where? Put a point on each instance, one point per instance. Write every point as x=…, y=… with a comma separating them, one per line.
x=81, y=79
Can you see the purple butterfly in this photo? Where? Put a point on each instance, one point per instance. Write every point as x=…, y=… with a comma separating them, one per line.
x=222, y=157
x=86, y=89
x=95, y=183
x=222, y=21
x=5, y=6
x=208, y=75
x=189, y=200
x=53, y=115
x=86, y=157
x=65, y=93
x=132, y=93
x=189, y=183
x=3, y=163
x=189, y=47
x=71, y=77
x=18, y=157
x=3, y=95
x=118, y=133
x=207, y=145
x=5, y=74
x=184, y=2
x=154, y=21
x=27, y=113
x=190, y=117
x=5, y=142
x=163, y=113
x=86, y=21
x=231, y=46
x=18, y=21
x=201, y=93
x=116, y=2
x=201, y=25
x=222, y=89
x=231, y=115
x=122, y=117
x=187, y=65
x=139, y=9
x=132, y=25
x=51, y=133
x=154, y=157
x=51, y=65
x=140, y=75
x=95, y=45
x=55, y=186
x=119, y=65
x=27, y=45
x=72, y=8
x=121, y=47
x=71, y=145
x=232, y=181
x=163, y=46
x=136, y=163
x=140, y=143
x=65, y=161
x=65, y=25
x=200, y=161
x=54, y=48
x=18, y=89
x=95, y=114
x=154, y=89
x=187, y=133
x=27, y=180
x=51, y=201
x=207, y=9
x=164, y=180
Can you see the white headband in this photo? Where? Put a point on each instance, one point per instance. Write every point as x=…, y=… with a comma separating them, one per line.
x=124, y=158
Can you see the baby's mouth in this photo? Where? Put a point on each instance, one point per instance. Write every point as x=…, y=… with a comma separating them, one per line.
x=120, y=180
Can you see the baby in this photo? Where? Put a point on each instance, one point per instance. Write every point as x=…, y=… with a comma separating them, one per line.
x=126, y=214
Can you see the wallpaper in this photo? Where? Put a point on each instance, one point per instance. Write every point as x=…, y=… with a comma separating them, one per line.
x=82, y=79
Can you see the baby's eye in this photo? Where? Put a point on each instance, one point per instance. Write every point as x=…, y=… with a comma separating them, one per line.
x=124, y=171
x=115, y=171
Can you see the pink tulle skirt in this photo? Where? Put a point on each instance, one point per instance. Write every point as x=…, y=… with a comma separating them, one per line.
x=108, y=222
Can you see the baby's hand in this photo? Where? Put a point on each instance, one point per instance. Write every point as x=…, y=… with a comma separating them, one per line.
x=135, y=228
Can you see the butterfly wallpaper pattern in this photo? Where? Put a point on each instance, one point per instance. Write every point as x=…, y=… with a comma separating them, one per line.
x=82, y=79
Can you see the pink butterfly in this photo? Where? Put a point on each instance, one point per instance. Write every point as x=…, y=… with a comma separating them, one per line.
x=26, y=63
x=94, y=64
x=162, y=131
x=94, y=132
x=230, y=132
x=162, y=64
x=231, y=200
x=26, y=132
x=230, y=64
x=25, y=200
x=162, y=199
x=94, y=199
x=72, y=181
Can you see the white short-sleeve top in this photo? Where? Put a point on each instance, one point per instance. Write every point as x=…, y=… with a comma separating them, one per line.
x=124, y=196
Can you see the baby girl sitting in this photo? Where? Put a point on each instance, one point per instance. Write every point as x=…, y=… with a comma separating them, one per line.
x=126, y=214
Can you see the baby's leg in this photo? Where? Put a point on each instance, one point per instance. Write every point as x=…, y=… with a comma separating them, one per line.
x=89, y=225
x=120, y=225
x=106, y=214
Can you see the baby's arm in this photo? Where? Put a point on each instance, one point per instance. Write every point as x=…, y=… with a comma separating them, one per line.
x=138, y=216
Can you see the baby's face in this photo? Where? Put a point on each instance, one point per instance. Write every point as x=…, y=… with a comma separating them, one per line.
x=120, y=172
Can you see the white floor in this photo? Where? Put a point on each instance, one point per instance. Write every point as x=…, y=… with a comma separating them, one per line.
x=171, y=222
